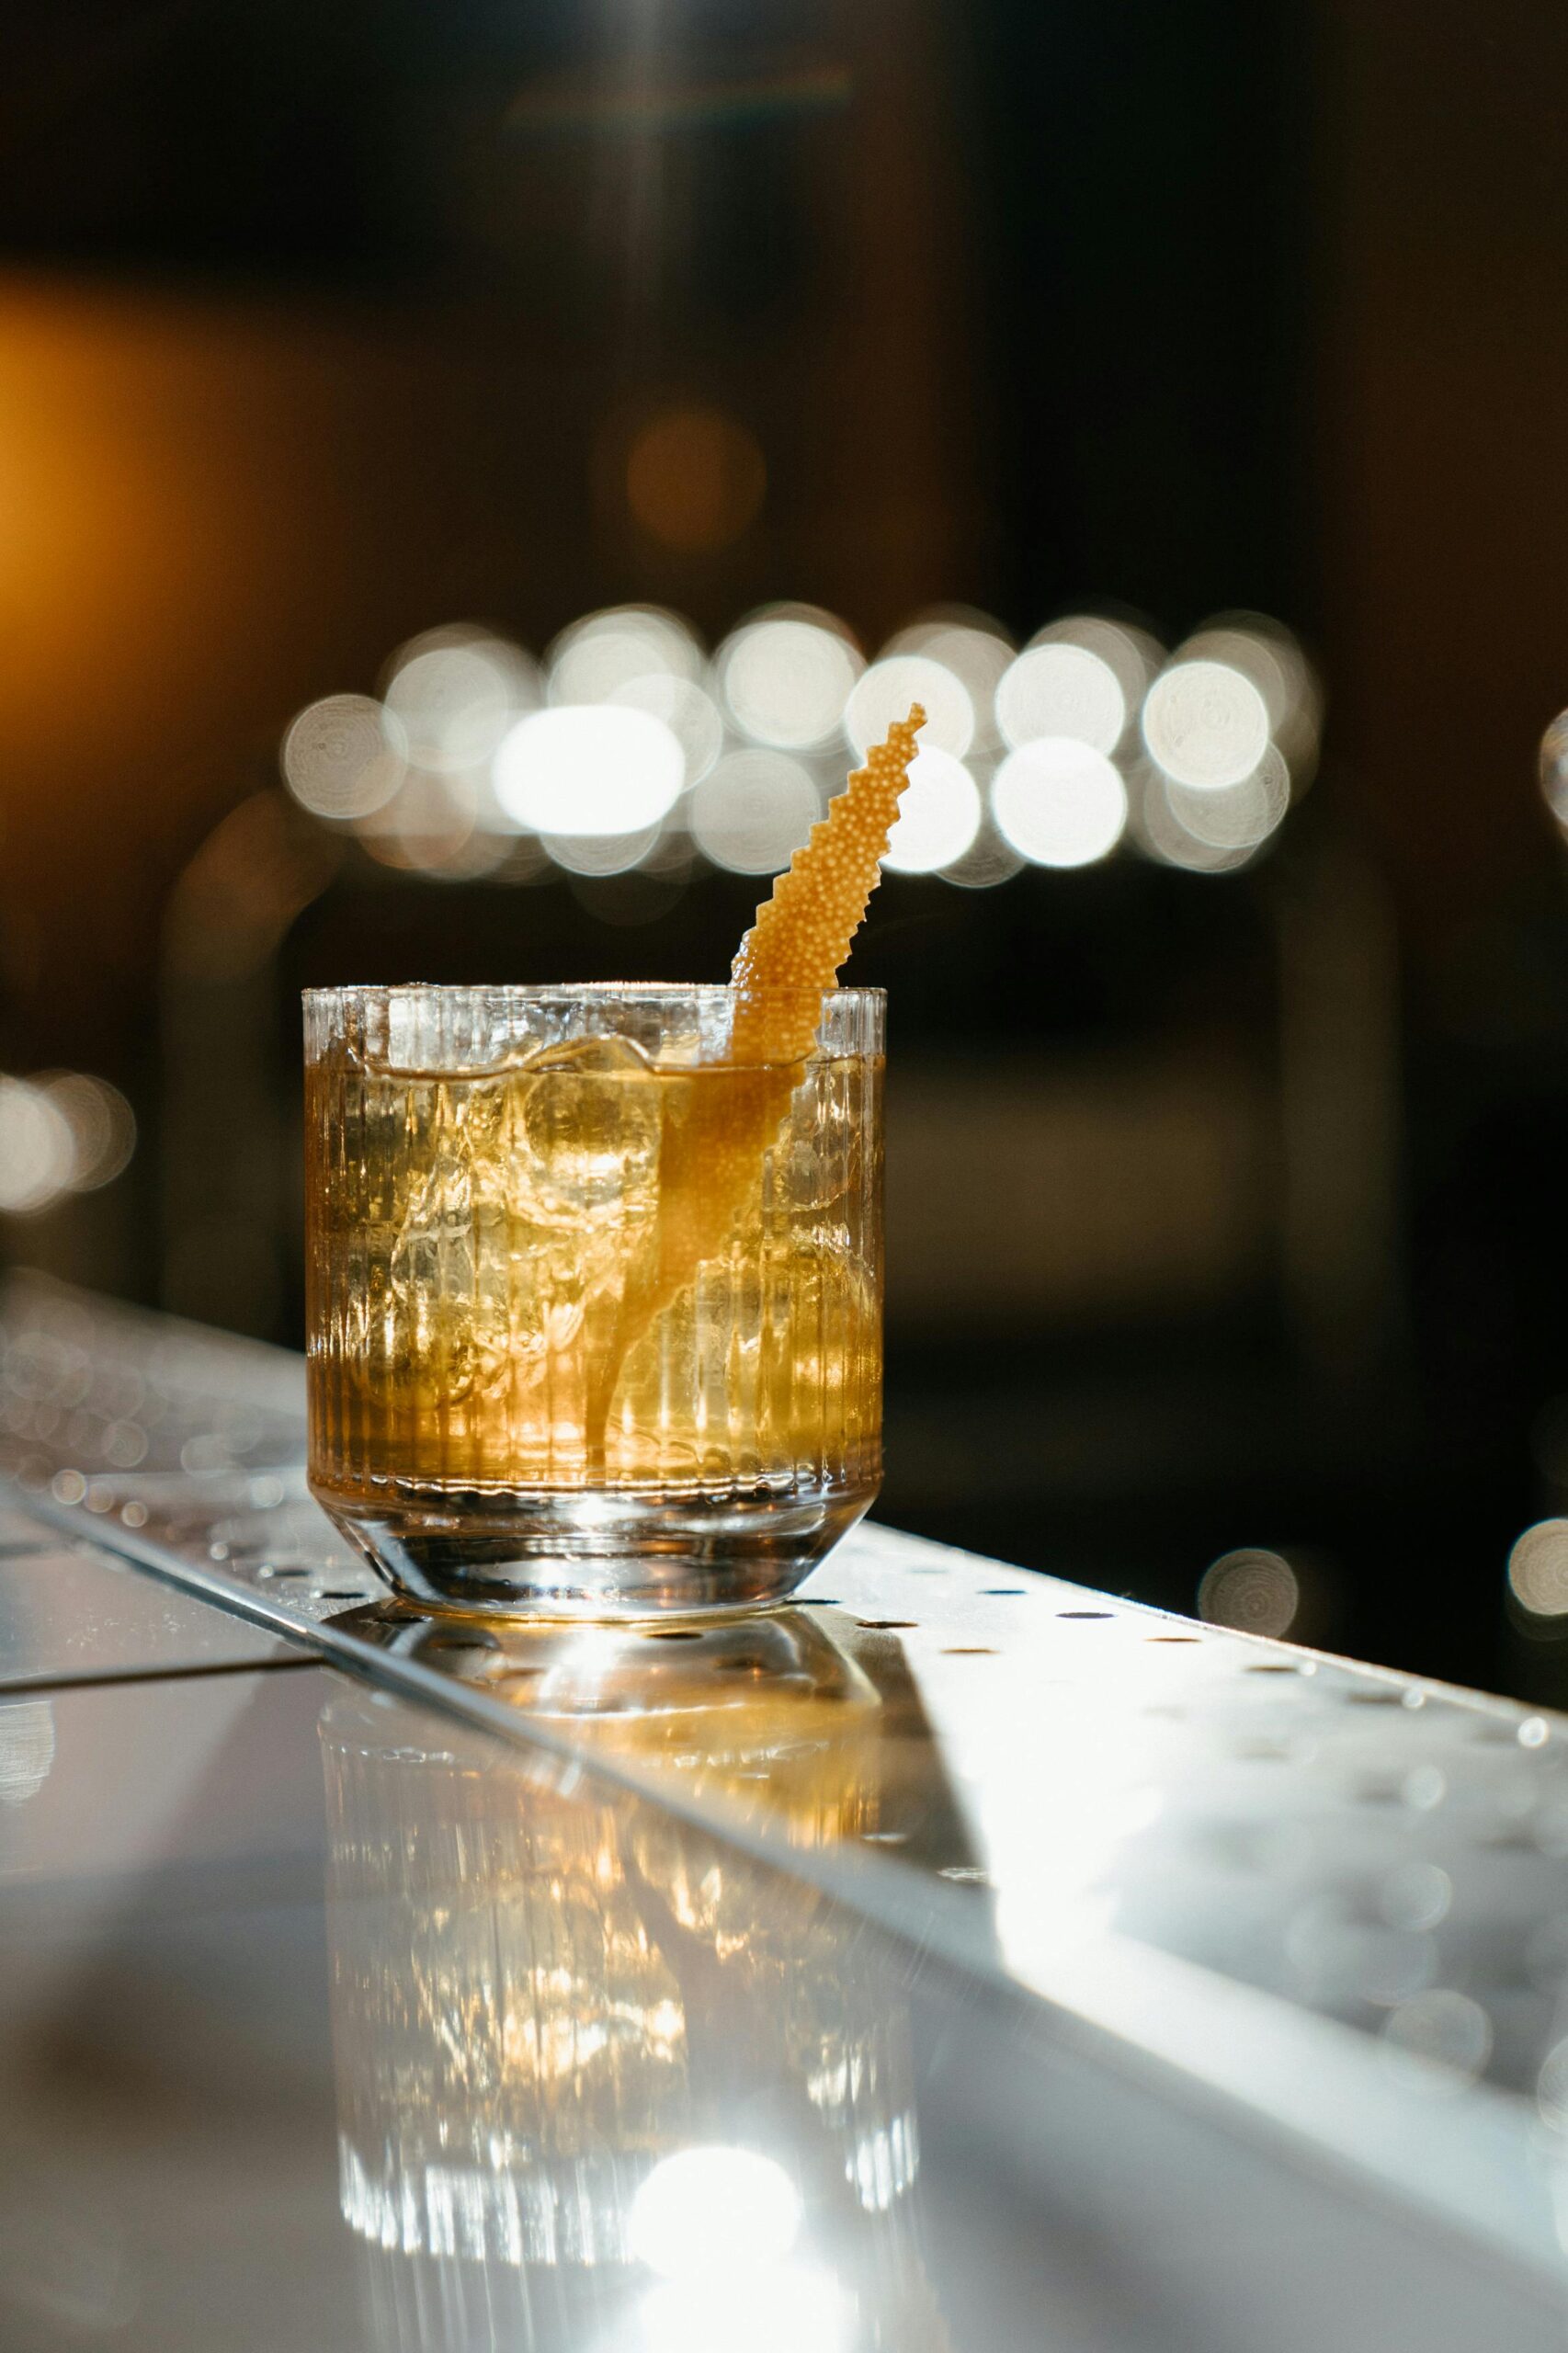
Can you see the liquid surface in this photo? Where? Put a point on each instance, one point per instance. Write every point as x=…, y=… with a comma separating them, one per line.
x=586, y=1271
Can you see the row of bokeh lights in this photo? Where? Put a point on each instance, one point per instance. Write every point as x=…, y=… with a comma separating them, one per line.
x=630, y=746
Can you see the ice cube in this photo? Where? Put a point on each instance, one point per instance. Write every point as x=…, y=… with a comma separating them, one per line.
x=586, y=1145
x=448, y=1273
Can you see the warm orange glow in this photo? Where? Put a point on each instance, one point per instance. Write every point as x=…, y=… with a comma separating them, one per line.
x=694, y=479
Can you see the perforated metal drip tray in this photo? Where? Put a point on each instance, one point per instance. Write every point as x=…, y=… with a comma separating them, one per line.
x=1331, y=1898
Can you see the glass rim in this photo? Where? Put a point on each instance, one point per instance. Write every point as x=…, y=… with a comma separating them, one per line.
x=563, y=992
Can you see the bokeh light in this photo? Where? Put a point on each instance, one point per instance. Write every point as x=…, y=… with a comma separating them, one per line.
x=1253, y=1592
x=752, y=811
x=524, y=859
x=606, y=650
x=690, y=714
x=1061, y=690
x=989, y=861
x=480, y=854
x=452, y=693
x=1415, y=1898
x=938, y=815
x=719, y=2225
x=1552, y=2088
x=343, y=757
x=1059, y=803
x=1437, y=2042
x=1205, y=725
x=102, y=1126
x=595, y=855
x=38, y=1149
x=970, y=643
x=707, y=2210
x=481, y=761
x=588, y=768
x=694, y=479
x=427, y=827
x=1554, y=769
x=1134, y=654
x=1231, y=816
x=885, y=692
x=1537, y=1569
x=1161, y=835
x=1237, y=641
x=784, y=677
x=1267, y=654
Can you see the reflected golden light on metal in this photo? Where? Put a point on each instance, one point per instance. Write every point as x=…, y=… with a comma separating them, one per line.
x=524, y=2017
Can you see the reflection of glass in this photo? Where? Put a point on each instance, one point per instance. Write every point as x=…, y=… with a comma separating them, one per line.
x=594, y=1311
x=602, y=2081
x=768, y=1707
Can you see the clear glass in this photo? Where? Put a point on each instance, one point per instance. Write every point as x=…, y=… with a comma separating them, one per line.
x=594, y=1307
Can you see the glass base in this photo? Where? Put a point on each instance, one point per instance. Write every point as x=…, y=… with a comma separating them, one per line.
x=598, y=1555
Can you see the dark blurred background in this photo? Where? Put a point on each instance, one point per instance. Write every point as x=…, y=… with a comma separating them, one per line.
x=1227, y=1214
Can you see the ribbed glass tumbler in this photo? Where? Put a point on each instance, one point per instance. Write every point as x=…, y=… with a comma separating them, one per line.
x=594, y=1306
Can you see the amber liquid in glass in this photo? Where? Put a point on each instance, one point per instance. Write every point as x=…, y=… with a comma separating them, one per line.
x=589, y=1273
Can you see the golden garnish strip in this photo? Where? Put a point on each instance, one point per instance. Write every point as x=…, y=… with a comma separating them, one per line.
x=790, y=957
x=788, y=960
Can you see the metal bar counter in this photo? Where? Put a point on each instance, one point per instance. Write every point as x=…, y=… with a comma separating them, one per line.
x=955, y=1959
